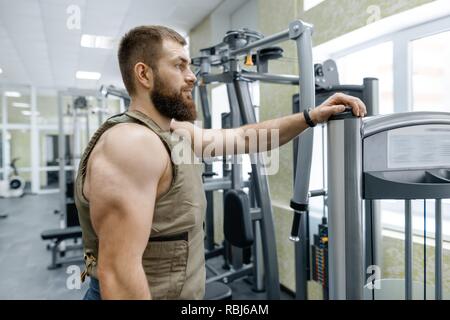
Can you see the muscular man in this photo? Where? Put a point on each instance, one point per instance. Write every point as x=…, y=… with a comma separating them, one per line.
x=142, y=213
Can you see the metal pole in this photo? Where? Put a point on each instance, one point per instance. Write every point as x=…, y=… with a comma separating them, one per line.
x=301, y=257
x=76, y=140
x=271, y=78
x=346, y=251
x=205, y=106
x=62, y=159
x=354, y=239
x=235, y=122
x=122, y=107
x=102, y=112
x=237, y=255
x=438, y=248
x=373, y=213
x=408, y=250
x=5, y=142
x=301, y=34
x=370, y=96
x=209, y=221
x=262, y=193
x=370, y=237
x=34, y=132
x=88, y=136
x=265, y=42
x=258, y=264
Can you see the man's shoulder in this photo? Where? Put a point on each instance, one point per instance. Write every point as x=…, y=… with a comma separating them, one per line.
x=132, y=137
x=129, y=144
x=130, y=132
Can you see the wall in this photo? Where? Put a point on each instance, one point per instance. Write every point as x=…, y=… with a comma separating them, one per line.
x=333, y=18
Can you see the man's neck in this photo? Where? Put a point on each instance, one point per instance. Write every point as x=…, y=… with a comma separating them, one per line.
x=146, y=107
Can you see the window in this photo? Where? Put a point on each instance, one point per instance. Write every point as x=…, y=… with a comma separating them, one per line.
x=414, y=73
x=431, y=73
x=309, y=4
x=219, y=106
x=354, y=67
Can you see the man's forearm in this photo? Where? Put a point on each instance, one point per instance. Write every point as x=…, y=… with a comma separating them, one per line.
x=251, y=138
x=129, y=283
x=288, y=127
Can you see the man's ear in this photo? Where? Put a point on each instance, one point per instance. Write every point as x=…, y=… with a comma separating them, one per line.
x=144, y=75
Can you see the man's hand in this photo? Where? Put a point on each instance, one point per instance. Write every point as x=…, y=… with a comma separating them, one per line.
x=337, y=104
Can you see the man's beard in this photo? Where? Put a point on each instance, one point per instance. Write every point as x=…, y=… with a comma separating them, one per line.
x=170, y=103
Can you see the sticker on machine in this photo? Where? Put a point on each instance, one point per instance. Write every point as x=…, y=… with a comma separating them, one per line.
x=419, y=146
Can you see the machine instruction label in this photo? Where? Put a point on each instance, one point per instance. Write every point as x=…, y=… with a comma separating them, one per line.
x=419, y=146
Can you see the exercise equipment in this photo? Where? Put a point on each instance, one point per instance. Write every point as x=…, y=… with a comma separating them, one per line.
x=236, y=44
x=352, y=230
x=326, y=84
x=319, y=257
x=371, y=159
x=56, y=237
x=14, y=186
x=68, y=237
x=400, y=156
x=111, y=90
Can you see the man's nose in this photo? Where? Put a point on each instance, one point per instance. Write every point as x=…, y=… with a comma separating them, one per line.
x=190, y=76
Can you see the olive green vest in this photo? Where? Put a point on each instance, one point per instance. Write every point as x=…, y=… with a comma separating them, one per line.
x=173, y=260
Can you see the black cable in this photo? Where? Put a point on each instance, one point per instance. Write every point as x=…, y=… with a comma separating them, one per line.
x=425, y=249
x=371, y=245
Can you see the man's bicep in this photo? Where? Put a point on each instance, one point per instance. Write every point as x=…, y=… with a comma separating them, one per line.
x=122, y=212
x=124, y=187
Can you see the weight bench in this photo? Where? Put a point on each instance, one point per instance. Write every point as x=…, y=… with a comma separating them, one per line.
x=57, y=236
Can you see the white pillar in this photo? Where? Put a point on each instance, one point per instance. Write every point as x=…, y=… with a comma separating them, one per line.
x=122, y=106
x=402, y=78
x=35, y=152
x=5, y=142
x=76, y=139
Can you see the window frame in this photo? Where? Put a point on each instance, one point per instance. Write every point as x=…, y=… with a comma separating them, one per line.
x=402, y=57
x=402, y=73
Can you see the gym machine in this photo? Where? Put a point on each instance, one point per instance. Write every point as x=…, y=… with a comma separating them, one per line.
x=258, y=50
x=357, y=175
x=400, y=156
x=14, y=185
x=111, y=90
x=69, y=225
x=312, y=260
x=238, y=205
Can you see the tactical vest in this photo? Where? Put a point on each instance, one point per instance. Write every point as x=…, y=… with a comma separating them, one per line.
x=173, y=260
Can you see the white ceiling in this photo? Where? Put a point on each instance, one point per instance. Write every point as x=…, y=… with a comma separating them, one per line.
x=37, y=48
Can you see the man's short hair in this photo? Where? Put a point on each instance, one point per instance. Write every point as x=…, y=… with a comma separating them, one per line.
x=143, y=44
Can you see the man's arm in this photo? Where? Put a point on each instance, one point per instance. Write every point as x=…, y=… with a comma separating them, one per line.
x=256, y=137
x=123, y=184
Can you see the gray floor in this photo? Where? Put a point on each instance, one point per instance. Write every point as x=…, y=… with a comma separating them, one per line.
x=24, y=257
